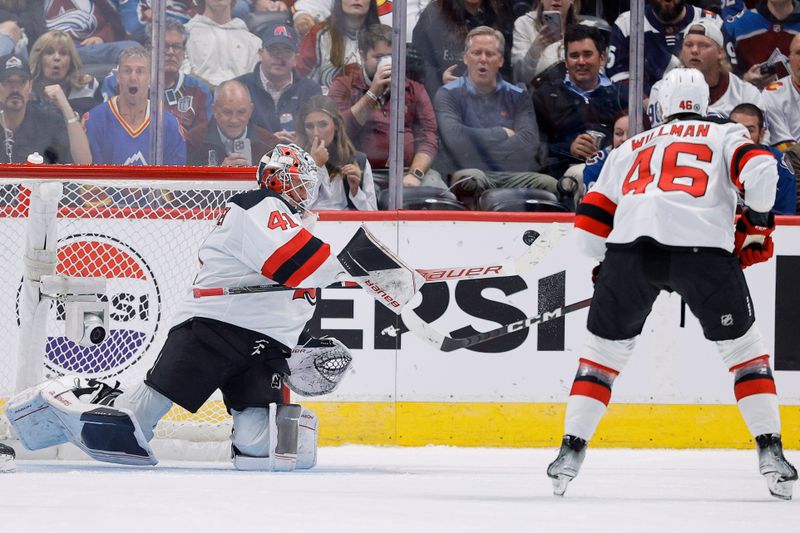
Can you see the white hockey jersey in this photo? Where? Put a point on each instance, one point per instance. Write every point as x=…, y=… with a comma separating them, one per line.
x=259, y=240
x=781, y=103
x=677, y=184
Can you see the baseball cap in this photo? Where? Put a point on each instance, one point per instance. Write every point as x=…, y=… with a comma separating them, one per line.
x=11, y=65
x=279, y=33
x=708, y=28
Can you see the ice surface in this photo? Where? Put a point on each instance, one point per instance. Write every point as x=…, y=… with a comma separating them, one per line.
x=408, y=490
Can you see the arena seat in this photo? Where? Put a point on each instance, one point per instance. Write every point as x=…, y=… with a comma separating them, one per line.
x=423, y=198
x=520, y=200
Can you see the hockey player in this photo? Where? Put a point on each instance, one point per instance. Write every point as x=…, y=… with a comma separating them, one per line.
x=236, y=343
x=641, y=221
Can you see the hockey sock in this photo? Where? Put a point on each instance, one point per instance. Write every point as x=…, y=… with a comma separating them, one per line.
x=755, y=393
x=588, y=399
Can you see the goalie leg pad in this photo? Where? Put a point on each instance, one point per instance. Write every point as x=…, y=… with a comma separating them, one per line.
x=279, y=439
x=147, y=405
x=50, y=414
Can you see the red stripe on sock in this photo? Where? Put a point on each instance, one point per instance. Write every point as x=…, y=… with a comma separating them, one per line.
x=754, y=386
x=592, y=390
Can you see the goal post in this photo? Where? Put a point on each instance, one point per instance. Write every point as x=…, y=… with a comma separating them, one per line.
x=139, y=229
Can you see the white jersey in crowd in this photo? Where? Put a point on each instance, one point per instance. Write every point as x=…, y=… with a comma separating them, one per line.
x=677, y=184
x=781, y=104
x=259, y=240
x=735, y=91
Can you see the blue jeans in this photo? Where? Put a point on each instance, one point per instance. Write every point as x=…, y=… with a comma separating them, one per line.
x=104, y=53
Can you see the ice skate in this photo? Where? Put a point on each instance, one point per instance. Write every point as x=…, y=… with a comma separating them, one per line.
x=94, y=391
x=7, y=459
x=567, y=464
x=779, y=472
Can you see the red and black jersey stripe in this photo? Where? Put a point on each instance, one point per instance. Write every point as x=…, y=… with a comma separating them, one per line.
x=296, y=260
x=741, y=156
x=595, y=214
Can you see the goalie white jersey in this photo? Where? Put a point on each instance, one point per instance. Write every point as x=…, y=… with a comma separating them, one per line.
x=677, y=184
x=259, y=240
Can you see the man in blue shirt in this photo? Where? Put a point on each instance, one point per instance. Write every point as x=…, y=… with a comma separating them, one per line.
x=752, y=118
x=584, y=101
x=487, y=126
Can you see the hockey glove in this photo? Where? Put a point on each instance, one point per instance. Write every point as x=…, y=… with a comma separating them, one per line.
x=753, y=239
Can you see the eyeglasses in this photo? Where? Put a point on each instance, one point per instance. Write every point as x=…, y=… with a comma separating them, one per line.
x=178, y=47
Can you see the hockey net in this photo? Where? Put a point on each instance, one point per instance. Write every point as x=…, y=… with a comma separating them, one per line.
x=138, y=227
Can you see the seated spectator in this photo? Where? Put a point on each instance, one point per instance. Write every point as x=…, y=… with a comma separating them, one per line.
x=591, y=170
x=27, y=128
x=94, y=26
x=276, y=88
x=231, y=139
x=309, y=12
x=758, y=33
x=332, y=44
x=345, y=176
x=12, y=39
x=751, y=117
x=440, y=32
x=781, y=102
x=585, y=101
x=538, y=46
x=54, y=61
x=136, y=15
x=220, y=47
x=665, y=21
x=22, y=23
x=119, y=129
x=186, y=97
x=487, y=126
x=362, y=94
x=703, y=49
x=267, y=13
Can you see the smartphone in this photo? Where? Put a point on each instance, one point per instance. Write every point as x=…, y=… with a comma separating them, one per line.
x=242, y=146
x=553, y=20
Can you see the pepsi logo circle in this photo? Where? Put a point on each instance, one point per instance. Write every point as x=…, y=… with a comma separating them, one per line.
x=134, y=302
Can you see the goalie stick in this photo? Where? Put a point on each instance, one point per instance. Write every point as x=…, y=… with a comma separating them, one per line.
x=447, y=344
x=538, y=247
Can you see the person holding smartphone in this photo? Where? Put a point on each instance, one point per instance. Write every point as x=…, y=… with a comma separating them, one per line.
x=230, y=139
x=538, y=37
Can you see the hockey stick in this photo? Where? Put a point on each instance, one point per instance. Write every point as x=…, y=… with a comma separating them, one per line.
x=447, y=344
x=538, y=246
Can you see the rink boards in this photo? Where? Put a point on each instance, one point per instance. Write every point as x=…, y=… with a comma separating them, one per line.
x=511, y=391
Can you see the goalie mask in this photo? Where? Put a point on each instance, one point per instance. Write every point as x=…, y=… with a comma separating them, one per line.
x=318, y=366
x=683, y=90
x=291, y=172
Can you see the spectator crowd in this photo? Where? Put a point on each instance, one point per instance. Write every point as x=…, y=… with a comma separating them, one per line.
x=519, y=95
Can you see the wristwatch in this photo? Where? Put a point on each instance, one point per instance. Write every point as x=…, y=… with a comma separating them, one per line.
x=417, y=173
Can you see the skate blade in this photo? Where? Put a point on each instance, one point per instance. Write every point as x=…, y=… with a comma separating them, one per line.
x=779, y=489
x=560, y=484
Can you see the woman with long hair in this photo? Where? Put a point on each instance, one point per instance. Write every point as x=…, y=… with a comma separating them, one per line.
x=439, y=36
x=538, y=45
x=54, y=61
x=345, y=176
x=333, y=43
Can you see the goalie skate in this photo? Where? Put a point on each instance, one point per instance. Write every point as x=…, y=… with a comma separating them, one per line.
x=566, y=466
x=7, y=459
x=779, y=472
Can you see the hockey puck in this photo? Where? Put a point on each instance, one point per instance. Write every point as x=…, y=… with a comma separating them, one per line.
x=530, y=236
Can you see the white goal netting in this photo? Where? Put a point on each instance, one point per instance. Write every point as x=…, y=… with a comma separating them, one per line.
x=142, y=235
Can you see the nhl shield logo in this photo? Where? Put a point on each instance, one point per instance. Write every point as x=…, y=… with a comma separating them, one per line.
x=277, y=381
x=726, y=320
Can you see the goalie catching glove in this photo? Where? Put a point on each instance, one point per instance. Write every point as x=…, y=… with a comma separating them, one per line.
x=318, y=366
x=753, y=239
